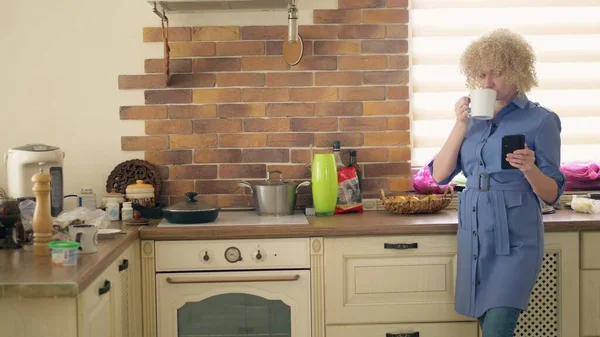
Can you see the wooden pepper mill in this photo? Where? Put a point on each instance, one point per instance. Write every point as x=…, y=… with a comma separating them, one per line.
x=42, y=219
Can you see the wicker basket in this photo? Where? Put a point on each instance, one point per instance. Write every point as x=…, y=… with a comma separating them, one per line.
x=417, y=203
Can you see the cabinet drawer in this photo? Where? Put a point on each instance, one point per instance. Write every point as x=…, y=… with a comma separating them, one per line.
x=590, y=303
x=590, y=250
x=466, y=329
x=390, y=279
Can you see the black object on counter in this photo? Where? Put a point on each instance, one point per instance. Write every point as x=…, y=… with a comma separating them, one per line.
x=149, y=212
x=191, y=211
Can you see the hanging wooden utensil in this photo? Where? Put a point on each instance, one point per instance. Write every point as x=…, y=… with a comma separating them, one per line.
x=292, y=51
x=167, y=50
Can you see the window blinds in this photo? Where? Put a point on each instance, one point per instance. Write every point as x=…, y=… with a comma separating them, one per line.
x=565, y=34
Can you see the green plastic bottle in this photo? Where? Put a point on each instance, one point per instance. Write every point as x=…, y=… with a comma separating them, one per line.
x=324, y=184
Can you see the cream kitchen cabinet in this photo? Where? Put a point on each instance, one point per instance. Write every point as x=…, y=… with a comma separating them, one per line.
x=97, y=307
x=109, y=307
x=590, y=284
x=390, y=279
x=378, y=283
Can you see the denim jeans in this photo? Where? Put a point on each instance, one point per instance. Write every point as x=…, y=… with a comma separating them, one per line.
x=499, y=322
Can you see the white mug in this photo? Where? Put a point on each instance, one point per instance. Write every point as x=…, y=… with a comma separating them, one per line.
x=483, y=102
x=86, y=235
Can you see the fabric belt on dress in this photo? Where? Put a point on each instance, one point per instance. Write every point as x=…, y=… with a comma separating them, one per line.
x=481, y=182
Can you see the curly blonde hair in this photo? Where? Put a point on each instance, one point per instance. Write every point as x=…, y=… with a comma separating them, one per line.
x=504, y=52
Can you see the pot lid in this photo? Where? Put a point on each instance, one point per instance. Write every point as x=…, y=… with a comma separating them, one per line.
x=191, y=205
x=274, y=182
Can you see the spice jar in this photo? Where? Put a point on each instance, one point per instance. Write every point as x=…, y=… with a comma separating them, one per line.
x=141, y=194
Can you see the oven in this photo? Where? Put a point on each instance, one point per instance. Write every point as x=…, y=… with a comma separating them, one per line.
x=231, y=288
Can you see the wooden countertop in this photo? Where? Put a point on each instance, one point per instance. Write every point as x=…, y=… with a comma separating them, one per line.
x=367, y=223
x=24, y=275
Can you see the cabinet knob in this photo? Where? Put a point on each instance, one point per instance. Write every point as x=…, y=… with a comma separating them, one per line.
x=104, y=289
x=124, y=265
x=206, y=257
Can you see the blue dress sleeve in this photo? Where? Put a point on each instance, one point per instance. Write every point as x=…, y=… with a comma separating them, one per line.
x=456, y=171
x=547, y=151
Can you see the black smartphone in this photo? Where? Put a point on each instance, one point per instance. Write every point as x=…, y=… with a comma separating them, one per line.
x=511, y=143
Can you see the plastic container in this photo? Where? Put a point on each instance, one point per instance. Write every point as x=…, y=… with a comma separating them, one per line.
x=87, y=198
x=113, y=194
x=64, y=253
x=127, y=211
x=112, y=208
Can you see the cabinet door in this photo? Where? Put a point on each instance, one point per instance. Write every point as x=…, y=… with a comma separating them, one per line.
x=392, y=279
x=554, y=303
x=465, y=329
x=590, y=303
x=96, y=306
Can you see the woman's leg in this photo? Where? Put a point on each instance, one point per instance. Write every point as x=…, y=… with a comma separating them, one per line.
x=499, y=322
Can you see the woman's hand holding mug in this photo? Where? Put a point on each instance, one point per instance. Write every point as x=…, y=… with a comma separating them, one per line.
x=462, y=110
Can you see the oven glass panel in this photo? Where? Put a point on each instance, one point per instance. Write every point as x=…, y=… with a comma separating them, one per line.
x=234, y=314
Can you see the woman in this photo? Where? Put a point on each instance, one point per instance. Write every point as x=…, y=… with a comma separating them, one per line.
x=500, y=231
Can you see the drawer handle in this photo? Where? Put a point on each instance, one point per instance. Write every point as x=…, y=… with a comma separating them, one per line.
x=231, y=279
x=124, y=265
x=410, y=334
x=105, y=288
x=413, y=245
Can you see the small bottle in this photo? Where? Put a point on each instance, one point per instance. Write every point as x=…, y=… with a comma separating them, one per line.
x=353, y=163
x=336, y=154
x=87, y=198
x=112, y=208
x=126, y=211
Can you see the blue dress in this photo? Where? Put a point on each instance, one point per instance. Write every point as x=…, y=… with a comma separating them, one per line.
x=500, y=230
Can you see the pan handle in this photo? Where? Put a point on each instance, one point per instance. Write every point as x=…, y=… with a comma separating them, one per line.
x=245, y=184
x=305, y=183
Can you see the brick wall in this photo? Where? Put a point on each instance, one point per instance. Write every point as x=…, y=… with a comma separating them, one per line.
x=234, y=109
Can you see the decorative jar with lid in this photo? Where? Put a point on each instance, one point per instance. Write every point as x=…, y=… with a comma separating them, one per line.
x=141, y=194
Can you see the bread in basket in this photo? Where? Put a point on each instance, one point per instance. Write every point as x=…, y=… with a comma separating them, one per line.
x=417, y=203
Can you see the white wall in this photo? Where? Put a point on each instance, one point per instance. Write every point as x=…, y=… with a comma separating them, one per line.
x=59, y=65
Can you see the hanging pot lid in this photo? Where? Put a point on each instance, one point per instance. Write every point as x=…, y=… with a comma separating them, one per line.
x=191, y=205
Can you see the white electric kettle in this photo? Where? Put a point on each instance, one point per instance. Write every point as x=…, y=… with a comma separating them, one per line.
x=24, y=161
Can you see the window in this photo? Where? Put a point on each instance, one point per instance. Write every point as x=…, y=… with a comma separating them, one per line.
x=565, y=35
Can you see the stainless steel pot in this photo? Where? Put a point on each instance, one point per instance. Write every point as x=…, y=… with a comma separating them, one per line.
x=274, y=197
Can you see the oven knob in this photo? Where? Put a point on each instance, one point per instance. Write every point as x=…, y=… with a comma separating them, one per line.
x=259, y=255
x=205, y=256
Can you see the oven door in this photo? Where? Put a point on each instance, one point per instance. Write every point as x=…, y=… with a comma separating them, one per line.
x=236, y=303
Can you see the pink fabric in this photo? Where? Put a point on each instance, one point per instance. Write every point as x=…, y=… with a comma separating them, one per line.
x=581, y=176
x=423, y=183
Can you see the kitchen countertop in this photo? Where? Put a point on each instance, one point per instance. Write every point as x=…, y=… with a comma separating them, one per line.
x=367, y=223
x=24, y=275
